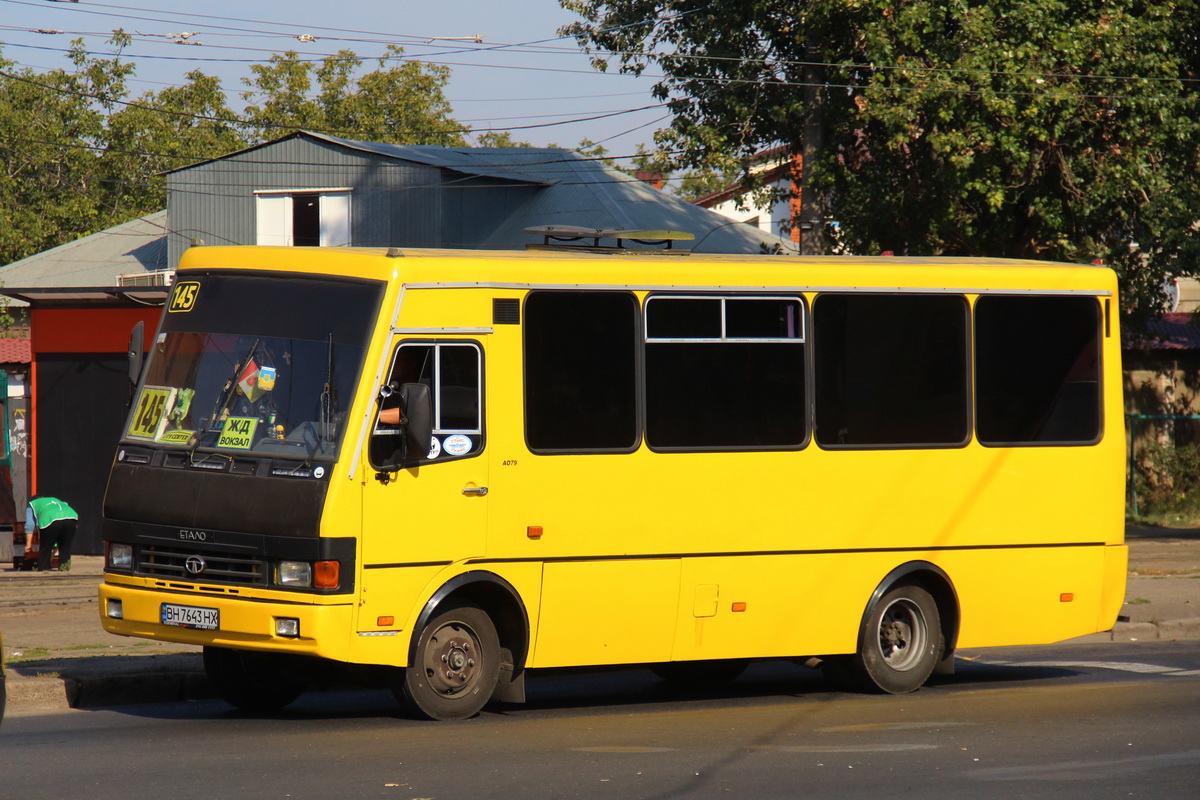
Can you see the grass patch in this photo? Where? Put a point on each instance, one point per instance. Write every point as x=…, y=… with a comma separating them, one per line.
x=87, y=647
x=19, y=655
x=1137, y=601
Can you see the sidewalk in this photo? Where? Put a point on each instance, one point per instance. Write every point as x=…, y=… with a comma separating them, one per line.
x=58, y=656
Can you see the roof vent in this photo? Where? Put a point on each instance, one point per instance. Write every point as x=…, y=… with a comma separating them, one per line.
x=573, y=238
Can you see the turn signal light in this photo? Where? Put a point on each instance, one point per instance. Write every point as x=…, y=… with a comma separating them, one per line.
x=1066, y=597
x=326, y=574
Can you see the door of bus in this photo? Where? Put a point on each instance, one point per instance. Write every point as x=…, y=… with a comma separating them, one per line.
x=421, y=518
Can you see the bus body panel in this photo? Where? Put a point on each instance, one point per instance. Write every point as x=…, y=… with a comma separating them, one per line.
x=650, y=556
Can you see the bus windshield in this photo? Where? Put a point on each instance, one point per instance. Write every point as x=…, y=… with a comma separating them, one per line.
x=257, y=365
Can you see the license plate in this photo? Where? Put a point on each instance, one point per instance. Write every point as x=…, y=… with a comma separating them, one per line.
x=207, y=619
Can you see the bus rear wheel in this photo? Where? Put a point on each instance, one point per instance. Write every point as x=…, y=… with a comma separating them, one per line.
x=455, y=666
x=255, y=682
x=901, y=641
x=898, y=647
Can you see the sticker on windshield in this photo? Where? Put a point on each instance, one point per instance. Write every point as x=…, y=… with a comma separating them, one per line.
x=238, y=433
x=177, y=437
x=435, y=447
x=457, y=444
x=150, y=419
x=183, y=296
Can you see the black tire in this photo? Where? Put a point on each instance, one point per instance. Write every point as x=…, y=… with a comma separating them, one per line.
x=455, y=665
x=900, y=642
x=701, y=674
x=255, y=682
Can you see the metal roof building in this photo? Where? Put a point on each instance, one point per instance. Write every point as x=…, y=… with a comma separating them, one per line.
x=380, y=195
x=131, y=254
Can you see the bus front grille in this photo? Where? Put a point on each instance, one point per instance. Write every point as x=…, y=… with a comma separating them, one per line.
x=173, y=562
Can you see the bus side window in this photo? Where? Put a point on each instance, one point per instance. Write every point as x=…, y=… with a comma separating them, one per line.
x=452, y=371
x=581, y=371
x=724, y=372
x=891, y=370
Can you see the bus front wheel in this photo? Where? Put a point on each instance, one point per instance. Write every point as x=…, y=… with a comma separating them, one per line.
x=456, y=664
x=255, y=682
x=899, y=645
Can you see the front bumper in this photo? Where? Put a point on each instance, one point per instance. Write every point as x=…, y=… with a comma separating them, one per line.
x=246, y=621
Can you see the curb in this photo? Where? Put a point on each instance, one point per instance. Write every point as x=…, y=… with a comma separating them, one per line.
x=29, y=694
x=34, y=694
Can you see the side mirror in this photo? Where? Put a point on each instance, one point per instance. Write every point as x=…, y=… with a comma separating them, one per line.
x=414, y=418
x=136, y=351
x=416, y=405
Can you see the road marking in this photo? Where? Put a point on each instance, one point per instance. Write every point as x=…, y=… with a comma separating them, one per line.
x=1090, y=771
x=623, y=749
x=848, y=748
x=893, y=726
x=1119, y=666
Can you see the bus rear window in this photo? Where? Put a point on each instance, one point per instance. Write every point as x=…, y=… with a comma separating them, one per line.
x=1037, y=370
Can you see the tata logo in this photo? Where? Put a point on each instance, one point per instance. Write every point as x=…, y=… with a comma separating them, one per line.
x=183, y=296
x=194, y=565
x=193, y=536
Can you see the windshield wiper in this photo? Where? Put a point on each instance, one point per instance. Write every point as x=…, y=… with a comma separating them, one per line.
x=328, y=405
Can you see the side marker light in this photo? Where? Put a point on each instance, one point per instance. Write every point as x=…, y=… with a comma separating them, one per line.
x=534, y=531
x=738, y=607
x=1066, y=597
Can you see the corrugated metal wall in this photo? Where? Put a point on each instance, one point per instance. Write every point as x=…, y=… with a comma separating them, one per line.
x=393, y=202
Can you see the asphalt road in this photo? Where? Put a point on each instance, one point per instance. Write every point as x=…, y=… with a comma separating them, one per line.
x=1068, y=721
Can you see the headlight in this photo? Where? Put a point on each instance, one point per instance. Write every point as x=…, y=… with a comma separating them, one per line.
x=120, y=556
x=293, y=573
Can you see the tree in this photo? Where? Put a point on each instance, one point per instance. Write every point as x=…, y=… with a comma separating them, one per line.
x=1060, y=131
x=162, y=131
x=77, y=155
x=51, y=130
x=402, y=104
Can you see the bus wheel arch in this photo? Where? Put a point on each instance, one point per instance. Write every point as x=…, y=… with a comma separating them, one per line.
x=908, y=632
x=506, y=615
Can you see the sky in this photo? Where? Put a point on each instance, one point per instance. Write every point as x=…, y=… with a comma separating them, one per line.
x=521, y=77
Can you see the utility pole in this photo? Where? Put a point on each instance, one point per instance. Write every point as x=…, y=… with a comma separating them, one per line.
x=812, y=208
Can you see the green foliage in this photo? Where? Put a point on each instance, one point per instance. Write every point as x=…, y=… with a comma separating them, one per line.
x=499, y=139
x=1168, y=481
x=1034, y=129
x=78, y=155
x=403, y=103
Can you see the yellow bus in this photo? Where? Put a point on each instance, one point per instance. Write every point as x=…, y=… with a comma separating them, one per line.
x=462, y=465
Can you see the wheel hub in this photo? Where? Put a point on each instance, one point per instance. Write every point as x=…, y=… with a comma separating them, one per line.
x=450, y=659
x=902, y=635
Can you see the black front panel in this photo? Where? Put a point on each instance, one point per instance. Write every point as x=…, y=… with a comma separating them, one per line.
x=203, y=555
x=196, y=498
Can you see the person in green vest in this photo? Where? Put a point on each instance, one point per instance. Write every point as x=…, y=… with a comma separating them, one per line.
x=54, y=522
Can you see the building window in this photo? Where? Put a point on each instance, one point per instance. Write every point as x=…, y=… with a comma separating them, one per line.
x=303, y=218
